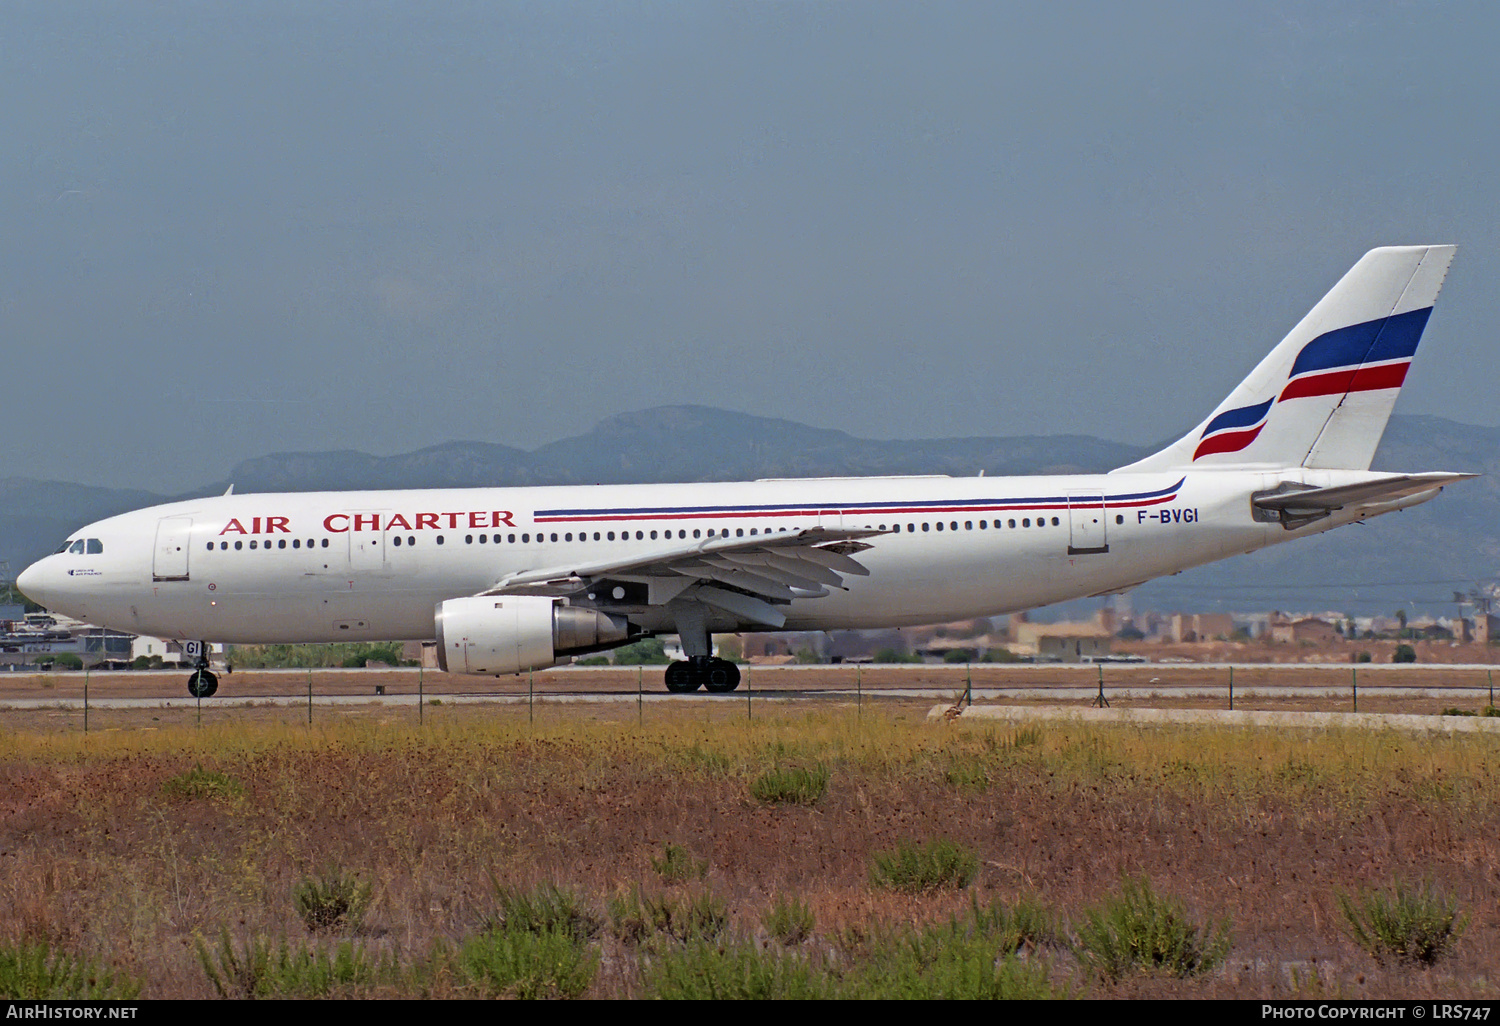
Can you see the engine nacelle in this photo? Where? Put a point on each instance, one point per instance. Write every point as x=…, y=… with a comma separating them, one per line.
x=510, y=633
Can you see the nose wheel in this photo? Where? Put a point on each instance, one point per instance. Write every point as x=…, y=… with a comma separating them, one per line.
x=203, y=684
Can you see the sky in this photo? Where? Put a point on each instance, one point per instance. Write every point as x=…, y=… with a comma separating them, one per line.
x=231, y=229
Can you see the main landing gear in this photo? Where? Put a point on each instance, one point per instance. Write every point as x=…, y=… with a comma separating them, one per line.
x=714, y=675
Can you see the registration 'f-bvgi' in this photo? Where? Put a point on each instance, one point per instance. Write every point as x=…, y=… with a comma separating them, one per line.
x=510, y=579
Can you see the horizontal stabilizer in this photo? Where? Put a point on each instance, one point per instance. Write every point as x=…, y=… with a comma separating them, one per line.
x=1296, y=507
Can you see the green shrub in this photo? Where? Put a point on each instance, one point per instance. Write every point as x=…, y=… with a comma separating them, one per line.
x=257, y=969
x=640, y=919
x=789, y=920
x=30, y=971
x=333, y=902
x=1364, y=657
x=1490, y=710
x=646, y=652
x=1404, y=654
x=1454, y=710
x=516, y=963
x=967, y=774
x=543, y=909
x=1026, y=924
x=1403, y=924
x=678, y=864
x=948, y=962
x=702, y=971
x=957, y=655
x=916, y=867
x=201, y=783
x=792, y=785
x=1142, y=932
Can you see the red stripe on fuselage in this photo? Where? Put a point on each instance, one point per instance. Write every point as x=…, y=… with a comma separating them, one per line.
x=810, y=512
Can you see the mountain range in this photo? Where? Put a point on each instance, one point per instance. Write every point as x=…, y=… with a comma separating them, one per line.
x=1414, y=559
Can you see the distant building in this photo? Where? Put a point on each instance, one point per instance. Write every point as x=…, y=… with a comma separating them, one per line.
x=1200, y=626
x=1310, y=630
x=1060, y=642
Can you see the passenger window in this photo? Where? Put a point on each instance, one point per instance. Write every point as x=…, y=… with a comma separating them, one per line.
x=440, y=539
x=639, y=535
x=940, y=525
x=953, y=525
x=1010, y=523
x=484, y=539
x=682, y=534
x=210, y=546
x=325, y=543
x=739, y=532
x=296, y=543
x=696, y=533
x=984, y=525
x=566, y=537
x=510, y=538
x=252, y=544
x=524, y=537
x=239, y=545
x=281, y=543
x=611, y=536
x=910, y=528
x=554, y=537
x=1026, y=522
x=411, y=540
x=926, y=527
x=468, y=539
x=1054, y=522
x=223, y=545
x=1119, y=519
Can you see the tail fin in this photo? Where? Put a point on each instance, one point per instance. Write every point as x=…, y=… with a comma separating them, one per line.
x=1323, y=396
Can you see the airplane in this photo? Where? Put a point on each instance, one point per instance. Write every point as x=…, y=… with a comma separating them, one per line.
x=507, y=580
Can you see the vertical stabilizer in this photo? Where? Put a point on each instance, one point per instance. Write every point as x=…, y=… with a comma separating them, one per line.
x=1323, y=396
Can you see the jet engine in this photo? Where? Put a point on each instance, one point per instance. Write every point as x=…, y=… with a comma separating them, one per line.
x=495, y=635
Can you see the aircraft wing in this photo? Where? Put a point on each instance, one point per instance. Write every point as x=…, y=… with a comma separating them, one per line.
x=749, y=577
x=1310, y=503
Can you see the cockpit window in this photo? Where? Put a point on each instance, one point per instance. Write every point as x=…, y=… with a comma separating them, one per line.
x=62, y=548
x=95, y=546
x=76, y=547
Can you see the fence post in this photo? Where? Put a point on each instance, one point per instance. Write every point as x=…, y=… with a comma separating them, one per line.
x=859, y=692
x=1354, y=686
x=640, y=696
x=1231, y=688
x=309, y=696
x=421, y=700
x=85, y=698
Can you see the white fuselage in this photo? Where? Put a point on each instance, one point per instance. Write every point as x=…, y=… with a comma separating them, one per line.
x=312, y=567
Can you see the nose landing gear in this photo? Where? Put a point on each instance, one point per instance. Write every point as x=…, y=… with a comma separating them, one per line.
x=203, y=682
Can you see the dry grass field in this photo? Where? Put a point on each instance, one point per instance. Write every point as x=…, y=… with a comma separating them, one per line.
x=609, y=852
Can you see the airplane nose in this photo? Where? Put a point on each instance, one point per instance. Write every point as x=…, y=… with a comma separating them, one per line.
x=31, y=584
